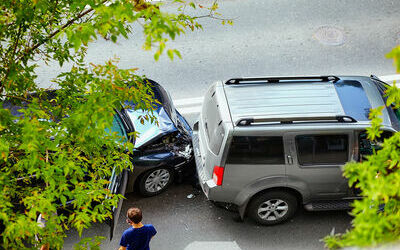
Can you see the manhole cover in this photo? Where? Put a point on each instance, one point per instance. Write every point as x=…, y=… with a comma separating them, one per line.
x=329, y=35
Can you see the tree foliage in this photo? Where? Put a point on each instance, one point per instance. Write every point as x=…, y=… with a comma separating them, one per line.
x=58, y=150
x=377, y=216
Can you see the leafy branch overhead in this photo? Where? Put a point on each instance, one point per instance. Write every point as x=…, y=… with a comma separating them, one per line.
x=377, y=215
x=57, y=152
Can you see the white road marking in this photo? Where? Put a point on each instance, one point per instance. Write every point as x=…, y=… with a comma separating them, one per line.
x=189, y=105
x=189, y=110
x=188, y=102
x=390, y=78
x=212, y=245
x=192, y=105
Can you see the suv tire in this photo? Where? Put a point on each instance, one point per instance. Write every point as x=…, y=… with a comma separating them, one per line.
x=155, y=181
x=272, y=208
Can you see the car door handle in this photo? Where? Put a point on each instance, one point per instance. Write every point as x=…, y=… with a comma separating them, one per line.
x=289, y=159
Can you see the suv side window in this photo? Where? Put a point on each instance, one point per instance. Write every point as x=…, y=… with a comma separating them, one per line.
x=367, y=147
x=256, y=150
x=322, y=149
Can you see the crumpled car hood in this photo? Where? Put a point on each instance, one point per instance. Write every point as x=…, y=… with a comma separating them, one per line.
x=148, y=131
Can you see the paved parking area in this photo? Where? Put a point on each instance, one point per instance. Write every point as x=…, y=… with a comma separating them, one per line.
x=196, y=223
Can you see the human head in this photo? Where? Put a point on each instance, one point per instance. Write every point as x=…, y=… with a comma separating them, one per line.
x=134, y=214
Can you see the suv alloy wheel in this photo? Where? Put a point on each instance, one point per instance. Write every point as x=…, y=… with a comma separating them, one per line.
x=272, y=207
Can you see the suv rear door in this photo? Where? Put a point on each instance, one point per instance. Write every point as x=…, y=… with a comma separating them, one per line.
x=255, y=160
x=316, y=162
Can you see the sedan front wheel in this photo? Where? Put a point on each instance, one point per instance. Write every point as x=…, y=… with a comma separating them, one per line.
x=155, y=181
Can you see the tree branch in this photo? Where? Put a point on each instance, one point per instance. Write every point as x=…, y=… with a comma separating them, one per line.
x=16, y=97
x=69, y=23
x=11, y=61
x=140, y=5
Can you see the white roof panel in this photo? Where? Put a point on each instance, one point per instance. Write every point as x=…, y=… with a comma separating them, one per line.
x=283, y=100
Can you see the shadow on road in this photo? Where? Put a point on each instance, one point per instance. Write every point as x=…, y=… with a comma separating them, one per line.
x=196, y=223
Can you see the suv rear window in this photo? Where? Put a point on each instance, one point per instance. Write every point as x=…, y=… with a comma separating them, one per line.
x=213, y=123
x=322, y=149
x=256, y=150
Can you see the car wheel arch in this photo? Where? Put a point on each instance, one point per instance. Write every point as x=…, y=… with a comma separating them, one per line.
x=154, y=167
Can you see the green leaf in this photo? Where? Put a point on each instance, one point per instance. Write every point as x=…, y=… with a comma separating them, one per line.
x=395, y=55
x=170, y=53
x=178, y=53
x=156, y=55
x=114, y=38
x=76, y=41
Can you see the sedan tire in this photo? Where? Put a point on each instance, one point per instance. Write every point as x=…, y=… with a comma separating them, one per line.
x=155, y=181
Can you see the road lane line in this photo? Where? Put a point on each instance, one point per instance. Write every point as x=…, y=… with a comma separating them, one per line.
x=390, y=78
x=189, y=110
x=212, y=245
x=188, y=101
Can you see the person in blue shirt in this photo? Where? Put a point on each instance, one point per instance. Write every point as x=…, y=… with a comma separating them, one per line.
x=138, y=236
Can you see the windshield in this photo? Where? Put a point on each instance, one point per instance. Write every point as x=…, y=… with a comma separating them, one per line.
x=394, y=113
x=166, y=104
x=119, y=129
x=147, y=130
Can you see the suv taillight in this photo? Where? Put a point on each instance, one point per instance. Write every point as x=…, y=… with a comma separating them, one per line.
x=218, y=175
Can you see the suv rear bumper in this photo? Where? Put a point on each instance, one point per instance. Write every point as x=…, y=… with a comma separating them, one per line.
x=207, y=185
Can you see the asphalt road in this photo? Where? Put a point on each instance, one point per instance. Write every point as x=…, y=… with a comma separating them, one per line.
x=269, y=37
x=197, y=224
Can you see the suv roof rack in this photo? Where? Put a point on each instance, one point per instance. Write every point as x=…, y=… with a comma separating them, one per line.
x=277, y=79
x=338, y=118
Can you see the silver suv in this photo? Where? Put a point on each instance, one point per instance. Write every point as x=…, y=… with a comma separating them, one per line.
x=270, y=145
